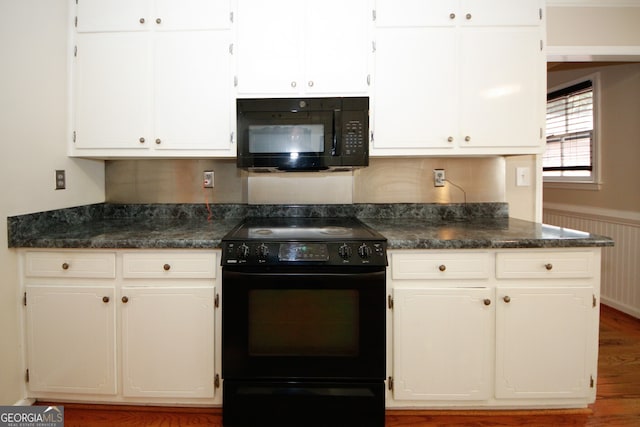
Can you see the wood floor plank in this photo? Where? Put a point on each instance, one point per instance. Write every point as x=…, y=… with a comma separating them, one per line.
x=617, y=403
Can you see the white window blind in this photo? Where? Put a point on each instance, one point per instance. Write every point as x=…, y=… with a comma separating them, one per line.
x=569, y=149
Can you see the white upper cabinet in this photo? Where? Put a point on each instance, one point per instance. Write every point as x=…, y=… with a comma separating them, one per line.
x=458, y=77
x=152, y=79
x=289, y=48
x=146, y=15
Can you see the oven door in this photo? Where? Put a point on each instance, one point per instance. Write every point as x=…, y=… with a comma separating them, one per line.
x=303, y=323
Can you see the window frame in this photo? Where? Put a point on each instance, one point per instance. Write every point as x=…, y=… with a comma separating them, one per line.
x=593, y=181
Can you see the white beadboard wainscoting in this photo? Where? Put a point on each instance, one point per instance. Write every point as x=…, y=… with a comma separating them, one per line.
x=620, y=263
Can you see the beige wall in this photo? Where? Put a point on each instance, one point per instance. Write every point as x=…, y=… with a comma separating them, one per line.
x=593, y=26
x=619, y=140
x=32, y=133
x=384, y=181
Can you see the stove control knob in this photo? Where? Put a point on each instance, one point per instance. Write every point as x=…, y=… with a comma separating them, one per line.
x=364, y=251
x=262, y=252
x=345, y=251
x=243, y=251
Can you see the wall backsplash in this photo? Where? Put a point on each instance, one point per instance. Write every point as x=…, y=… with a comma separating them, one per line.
x=386, y=180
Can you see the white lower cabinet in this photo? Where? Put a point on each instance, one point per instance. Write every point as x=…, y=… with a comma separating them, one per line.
x=543, y=342
x=523, y=333
x=442, y=349
x=71, y=339
x=167, y=341
x=140, y=329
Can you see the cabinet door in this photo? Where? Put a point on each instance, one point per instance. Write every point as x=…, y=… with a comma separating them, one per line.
x=416, y=13
x=167, y=341
x=500, y=12
x=71, y=339
x=501, y=87
x=191, y=15
x=269, y=51
x=193, y=87
x=113, y=15
x=337, y=46
x=113, y=92
x=443, y=342
x=415, y=104
x=544, y=339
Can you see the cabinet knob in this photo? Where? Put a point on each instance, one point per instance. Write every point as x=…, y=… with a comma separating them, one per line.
x=468, y=16
x=141, y=140
x=158, y=21
x=294, y=84
x=158, y=141
x=142, y=20
x=467, y=138
x=310, y=83
x=507, y=299
x=105, y=299
x=548, y=266
x=487, y=301
x=442, y=267
x=65, y=266
x=450, y=139
x=166, y=267
x=452, y=16
x=125, y=299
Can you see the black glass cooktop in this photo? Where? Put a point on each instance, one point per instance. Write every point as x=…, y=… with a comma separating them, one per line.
x=302, y=229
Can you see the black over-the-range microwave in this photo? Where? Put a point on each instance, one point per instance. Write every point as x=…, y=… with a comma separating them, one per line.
x=303, y=134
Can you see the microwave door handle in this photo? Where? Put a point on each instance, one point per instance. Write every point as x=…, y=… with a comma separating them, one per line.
x=337, y=132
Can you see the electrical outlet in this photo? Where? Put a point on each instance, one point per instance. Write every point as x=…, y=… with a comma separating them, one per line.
x=207, y=180
x=61, y=180
x=438, y=178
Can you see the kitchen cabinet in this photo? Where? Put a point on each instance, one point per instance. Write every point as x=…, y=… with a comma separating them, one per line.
x=123, y=326
x=152, y=79
x=293, y=48
x=167, y=341
x=493, y=328
x=441, y=346
x=70, y=322
x=546, y=324
x=71, y=339
x=458, y=78
x=442, y=323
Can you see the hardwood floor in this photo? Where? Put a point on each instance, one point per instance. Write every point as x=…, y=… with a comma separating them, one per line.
x=617, y=404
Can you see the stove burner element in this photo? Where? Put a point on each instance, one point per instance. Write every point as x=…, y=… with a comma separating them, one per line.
x=263, y=232
x=335, y=231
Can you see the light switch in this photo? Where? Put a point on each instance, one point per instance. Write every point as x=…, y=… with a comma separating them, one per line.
x=523, y=177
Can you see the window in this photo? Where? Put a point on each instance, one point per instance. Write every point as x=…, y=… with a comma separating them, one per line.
x=570, y=154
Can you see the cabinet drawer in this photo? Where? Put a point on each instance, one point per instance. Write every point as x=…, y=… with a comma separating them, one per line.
x=70, y=264
x=543, y=265
x=441, y=265
x=153, y=265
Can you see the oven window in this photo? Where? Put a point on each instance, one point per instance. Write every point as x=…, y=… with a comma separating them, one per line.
x=286, y=139
x=303, y=322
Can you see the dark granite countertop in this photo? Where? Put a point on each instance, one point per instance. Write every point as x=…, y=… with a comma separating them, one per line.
x=406, y=233
x=406, y=226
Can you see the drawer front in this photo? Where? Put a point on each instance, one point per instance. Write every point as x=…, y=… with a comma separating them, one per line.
x=179, y=265
x=70, y=264
x=543, y=265
x=441, y=265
